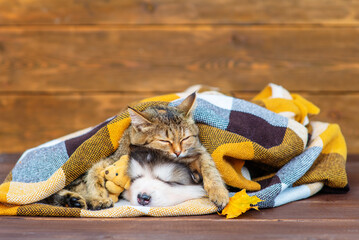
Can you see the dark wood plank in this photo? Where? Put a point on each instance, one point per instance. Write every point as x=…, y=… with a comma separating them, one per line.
x=177, y=229
x=7, y=162
x=121, y=59
x=179, y=12
x=320, y=217
x=28, y=120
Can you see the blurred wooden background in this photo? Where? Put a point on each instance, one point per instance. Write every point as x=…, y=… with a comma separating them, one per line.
x=68, y=65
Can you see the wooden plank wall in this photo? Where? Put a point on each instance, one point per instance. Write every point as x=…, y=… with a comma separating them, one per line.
x=67, y=65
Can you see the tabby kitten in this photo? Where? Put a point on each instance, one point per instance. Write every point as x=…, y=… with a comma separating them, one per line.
x=169, y=129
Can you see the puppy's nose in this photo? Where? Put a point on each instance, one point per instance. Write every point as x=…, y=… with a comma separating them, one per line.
x=143, y=199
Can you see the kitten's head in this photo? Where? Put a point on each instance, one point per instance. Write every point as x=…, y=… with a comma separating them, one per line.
x=169, y=129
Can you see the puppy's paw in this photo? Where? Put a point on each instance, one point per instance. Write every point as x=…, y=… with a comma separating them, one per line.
x=218, y=195
x=101, y=203
x=74, y=200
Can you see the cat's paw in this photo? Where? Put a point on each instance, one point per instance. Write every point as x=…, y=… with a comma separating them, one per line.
x=218, y=195
x=75, y=200
x=101, y=203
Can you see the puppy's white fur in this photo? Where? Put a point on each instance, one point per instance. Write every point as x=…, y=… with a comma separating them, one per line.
x=156, y=181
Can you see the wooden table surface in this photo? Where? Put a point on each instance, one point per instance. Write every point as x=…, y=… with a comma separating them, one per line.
x=324, y=216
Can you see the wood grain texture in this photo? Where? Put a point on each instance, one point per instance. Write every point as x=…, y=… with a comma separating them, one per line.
x=27, y=121
x=30, y=120
x=179, y=12
x=202, y=228
x=170, y=59
x=324, y=216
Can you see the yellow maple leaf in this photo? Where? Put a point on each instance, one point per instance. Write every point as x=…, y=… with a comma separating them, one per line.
x=240, y=203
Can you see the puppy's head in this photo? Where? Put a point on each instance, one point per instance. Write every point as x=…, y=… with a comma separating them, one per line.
x=157, y=181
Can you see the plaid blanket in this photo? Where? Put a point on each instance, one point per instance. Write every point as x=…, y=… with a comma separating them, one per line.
x=267, y=146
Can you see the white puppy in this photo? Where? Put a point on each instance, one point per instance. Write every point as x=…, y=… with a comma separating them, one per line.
x=157, y=181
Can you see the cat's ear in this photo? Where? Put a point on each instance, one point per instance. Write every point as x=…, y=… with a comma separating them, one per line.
x=188, y=104
x=138, y=119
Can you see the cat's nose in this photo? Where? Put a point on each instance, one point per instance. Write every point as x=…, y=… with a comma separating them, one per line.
x=143, y=199
x=178, y=153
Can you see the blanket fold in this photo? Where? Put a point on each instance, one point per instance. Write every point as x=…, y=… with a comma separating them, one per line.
x=270, y=138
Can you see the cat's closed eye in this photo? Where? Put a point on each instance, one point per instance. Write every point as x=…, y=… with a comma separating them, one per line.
x=186, y=138
x=165, y=141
